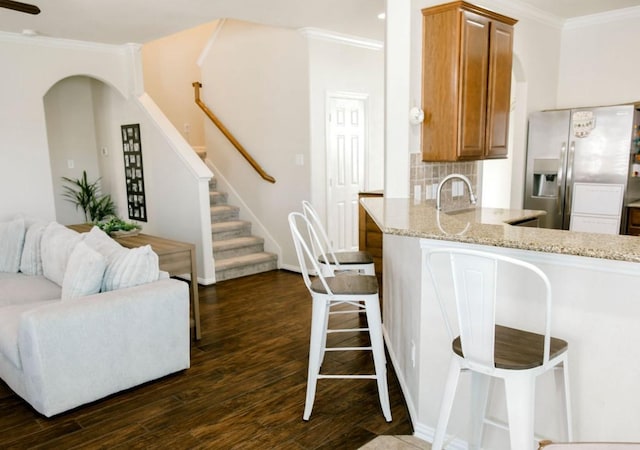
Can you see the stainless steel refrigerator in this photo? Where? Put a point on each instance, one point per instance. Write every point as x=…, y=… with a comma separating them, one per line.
x=581, y=167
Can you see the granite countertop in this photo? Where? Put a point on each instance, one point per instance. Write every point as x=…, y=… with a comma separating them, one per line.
x=490, y=226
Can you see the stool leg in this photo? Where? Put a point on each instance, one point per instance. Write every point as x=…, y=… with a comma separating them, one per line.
x=479, y=398
x=520, y=395
x=323, y=343
x=446, y=405
x=562, y=380
x=318, y=336
x=377, y=345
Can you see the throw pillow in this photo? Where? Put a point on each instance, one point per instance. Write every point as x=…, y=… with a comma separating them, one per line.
x=31, y=261
x=102, y=243
x=84, y=273
x=11, y=242
x=57, y=244
x=131, y=267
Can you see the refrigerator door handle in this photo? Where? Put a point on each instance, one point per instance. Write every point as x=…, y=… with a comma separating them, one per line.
x=559, y=177
x=567, y=208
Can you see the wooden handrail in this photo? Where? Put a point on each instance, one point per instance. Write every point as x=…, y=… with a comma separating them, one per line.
x=196, y=86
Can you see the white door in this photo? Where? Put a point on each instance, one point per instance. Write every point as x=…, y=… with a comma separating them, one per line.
x=346, y=141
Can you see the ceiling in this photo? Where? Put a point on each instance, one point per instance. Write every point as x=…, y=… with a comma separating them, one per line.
x=140, y=21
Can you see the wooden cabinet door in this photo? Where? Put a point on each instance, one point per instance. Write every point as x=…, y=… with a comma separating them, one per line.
x=466, y=90
x=473, y=85
x=499, y=90
x=441, y=59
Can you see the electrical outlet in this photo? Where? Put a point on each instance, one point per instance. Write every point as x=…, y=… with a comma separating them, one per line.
x=70, y=164
x=417, y=192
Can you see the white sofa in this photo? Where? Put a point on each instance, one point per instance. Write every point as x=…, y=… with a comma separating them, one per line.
x=82, y=317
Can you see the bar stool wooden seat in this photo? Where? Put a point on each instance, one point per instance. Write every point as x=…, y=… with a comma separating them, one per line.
x=490, y=350
x=325, y=255
x=360, y=293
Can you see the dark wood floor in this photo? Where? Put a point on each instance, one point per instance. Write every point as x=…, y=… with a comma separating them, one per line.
x=245, y=388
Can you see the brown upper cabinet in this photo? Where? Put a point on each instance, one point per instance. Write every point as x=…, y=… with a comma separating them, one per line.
x=466, y=84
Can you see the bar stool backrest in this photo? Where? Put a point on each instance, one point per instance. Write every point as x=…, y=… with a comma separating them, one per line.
x=308, y=262
x=475, y=280
x=323, y=247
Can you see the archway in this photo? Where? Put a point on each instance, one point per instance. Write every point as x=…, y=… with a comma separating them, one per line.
x=70, y=108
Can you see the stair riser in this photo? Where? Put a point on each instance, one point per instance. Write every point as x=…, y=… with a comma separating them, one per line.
x=224, y=215
x=230, y=234
x=243, y=271
x=218, y=198
x=238, y=251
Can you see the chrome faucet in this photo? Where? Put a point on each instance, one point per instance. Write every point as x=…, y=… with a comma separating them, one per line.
x=472, y=197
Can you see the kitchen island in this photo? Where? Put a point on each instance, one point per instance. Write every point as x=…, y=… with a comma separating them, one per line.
x=596, y=307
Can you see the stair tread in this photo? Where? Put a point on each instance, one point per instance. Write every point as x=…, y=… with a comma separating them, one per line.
x=237, y=242
x=224, y=207
x=228, y=225
x=252, y=258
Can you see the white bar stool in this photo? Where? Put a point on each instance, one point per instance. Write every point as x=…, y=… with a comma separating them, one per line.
x=325, y=255
x=356, y=290
x=491, y=350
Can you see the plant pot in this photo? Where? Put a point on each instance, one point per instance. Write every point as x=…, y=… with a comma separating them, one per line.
x=122, y=233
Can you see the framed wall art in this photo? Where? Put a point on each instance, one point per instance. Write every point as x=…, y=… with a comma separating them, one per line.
x=133, y=172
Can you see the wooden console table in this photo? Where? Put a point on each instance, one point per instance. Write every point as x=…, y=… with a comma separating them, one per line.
x=174, y=257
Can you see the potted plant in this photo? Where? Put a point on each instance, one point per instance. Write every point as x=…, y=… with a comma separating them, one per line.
x=116, y=227
x=86, y=195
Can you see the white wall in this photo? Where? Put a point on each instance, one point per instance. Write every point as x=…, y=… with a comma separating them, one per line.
x=170, y=66
x=256, y=80
x=599, y=64
x=338, y=67
x=30, y=67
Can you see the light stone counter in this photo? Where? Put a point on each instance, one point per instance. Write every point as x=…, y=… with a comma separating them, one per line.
x=490, y=226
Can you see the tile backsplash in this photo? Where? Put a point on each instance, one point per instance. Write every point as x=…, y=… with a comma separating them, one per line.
x=427, y=175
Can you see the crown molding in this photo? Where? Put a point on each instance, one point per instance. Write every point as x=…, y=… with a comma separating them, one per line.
x=44, y=41
x=520, y=10
x=630, y=13
x=345, y=39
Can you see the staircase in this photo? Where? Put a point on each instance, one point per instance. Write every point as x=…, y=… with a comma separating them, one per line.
x=236, y=252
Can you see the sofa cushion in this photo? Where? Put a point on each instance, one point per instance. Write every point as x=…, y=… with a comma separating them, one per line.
x=125, y=267
x=31, y=261
x=11, y=241
x=84, y=273
x=9, y=324
x=57, y=244
x=131, y=267
x=18, y=288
